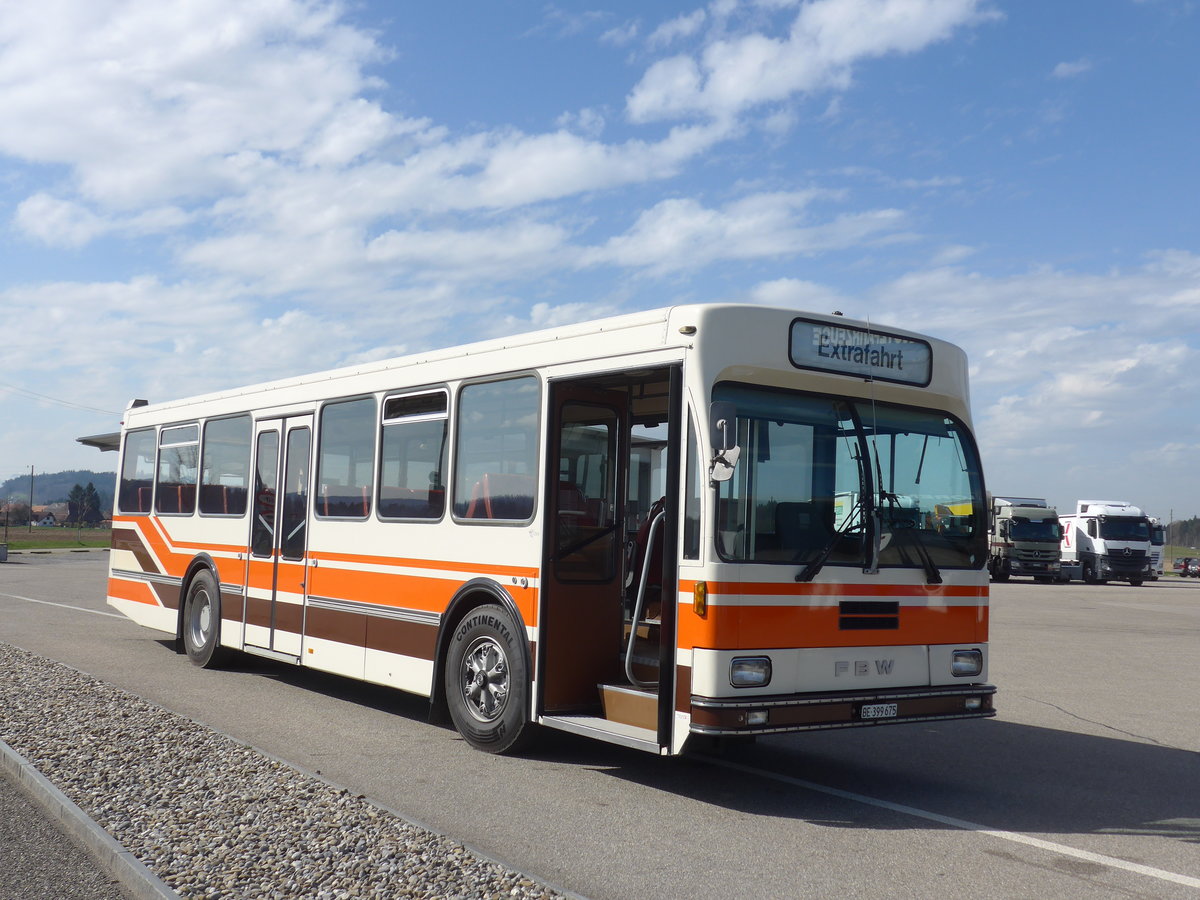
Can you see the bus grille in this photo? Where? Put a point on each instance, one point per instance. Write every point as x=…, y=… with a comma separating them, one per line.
x=865, y=615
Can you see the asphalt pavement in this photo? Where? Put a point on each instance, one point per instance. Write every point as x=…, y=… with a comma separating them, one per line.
x=39, y=855
x=50, y=848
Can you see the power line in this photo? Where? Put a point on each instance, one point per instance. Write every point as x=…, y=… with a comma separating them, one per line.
x=68, y=403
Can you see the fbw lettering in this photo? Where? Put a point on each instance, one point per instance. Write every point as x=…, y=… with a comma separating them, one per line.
x=862, y=667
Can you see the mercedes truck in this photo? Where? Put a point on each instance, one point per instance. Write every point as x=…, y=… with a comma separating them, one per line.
x=1024, y=539
x=1106, y=540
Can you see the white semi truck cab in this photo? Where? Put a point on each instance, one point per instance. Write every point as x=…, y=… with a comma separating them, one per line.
x=1158, y=539
x=1106, y=540
x=1024, y=539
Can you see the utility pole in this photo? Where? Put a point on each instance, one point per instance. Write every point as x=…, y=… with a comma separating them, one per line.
x=31, y=499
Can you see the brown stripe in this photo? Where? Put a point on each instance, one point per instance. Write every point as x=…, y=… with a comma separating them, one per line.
x=231, y=606
x=167, y=594
x=131, y=540
x=258, y=612
x=343, y=627
x=407, y=638
x=683, y=688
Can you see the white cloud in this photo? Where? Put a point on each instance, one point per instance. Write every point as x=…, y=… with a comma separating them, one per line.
x=683, y=234
x=1072, y=69
x=680, y=27
x=825, y=41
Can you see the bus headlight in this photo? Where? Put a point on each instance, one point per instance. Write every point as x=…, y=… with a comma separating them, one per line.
x=750, y=671
x=966, y=663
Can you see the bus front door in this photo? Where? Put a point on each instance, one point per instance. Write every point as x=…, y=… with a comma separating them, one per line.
x=581, y=577
x=277, y=571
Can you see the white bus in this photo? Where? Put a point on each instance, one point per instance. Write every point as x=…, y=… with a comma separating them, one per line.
x=624, y=529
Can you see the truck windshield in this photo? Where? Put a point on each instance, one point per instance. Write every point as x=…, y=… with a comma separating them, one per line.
x=1043, y=531
x=819, y=476
x=1124, y=528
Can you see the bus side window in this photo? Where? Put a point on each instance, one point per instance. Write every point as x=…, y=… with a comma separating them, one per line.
x=496, y=448
x=346, y=467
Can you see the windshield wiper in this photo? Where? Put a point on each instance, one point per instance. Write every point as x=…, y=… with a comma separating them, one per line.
x=809, y=572
x=912, y=536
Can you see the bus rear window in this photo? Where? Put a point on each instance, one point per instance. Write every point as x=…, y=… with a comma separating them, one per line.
x=137, y=472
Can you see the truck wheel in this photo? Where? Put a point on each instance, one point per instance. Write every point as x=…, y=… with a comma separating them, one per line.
x=487, y=687
x=1089, y=573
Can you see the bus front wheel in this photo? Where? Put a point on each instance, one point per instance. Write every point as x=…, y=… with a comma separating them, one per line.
x=486, y=684
x=202, y=622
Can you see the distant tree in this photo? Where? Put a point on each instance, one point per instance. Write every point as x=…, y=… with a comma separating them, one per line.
x=83, y=505
x=91, y=505
x=75, y=501
x=18, y=514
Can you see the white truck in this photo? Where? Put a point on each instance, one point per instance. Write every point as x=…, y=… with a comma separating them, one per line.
x=1024, y=538
x=1106, y=540
x=1158, y=539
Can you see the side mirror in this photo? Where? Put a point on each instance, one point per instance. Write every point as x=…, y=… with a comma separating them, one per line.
x=722, y=418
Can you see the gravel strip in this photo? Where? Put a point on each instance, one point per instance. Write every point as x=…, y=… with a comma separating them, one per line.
x=216, y=819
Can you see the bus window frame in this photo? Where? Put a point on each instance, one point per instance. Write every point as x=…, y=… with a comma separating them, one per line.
x=160, y=446
x=318, y=456
x=449, y=435
x=152, y=431
x=538, y=456
x=249, y=465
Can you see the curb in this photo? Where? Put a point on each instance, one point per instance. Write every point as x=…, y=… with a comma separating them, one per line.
x=112, y=857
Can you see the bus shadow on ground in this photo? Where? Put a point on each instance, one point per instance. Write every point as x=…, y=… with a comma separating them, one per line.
x=986, y=773
x=992, y=774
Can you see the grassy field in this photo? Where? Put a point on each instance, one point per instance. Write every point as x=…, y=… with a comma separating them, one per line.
x=21, y=538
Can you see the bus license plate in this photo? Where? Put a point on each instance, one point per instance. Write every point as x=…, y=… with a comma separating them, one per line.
x=878, y=711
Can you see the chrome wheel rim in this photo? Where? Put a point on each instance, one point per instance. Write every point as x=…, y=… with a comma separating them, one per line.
x=484, y=679
x=200, y=618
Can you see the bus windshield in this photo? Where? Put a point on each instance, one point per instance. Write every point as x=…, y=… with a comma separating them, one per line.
x=824, y=481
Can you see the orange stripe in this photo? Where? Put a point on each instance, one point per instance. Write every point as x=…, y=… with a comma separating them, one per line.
x=406, y=591
x=808, y=589
x=434, y=564
x=766, y=627
x=137, y=591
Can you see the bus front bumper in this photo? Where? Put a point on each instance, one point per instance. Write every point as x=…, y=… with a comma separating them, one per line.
x=773, y=714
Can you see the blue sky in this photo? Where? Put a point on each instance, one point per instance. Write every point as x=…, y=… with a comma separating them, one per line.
x=210, y=193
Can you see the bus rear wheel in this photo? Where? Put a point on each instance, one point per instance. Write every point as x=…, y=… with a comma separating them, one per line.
x=486, y=683
x=202, y=622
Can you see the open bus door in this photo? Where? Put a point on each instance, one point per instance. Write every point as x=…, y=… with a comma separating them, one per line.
x=603, y=663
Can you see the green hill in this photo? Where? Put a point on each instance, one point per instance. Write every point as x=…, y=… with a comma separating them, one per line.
x=53, y=487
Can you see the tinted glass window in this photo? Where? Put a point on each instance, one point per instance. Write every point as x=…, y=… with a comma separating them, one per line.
x=137, y=472
x=295, y=494
x=266, y=477
x=178, y=467
x=345, y=473
x=496, y=450
x=225, y=469
x=412, y=465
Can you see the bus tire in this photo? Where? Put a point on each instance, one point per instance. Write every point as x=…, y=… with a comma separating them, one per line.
x=202, y=622
x=486, y=683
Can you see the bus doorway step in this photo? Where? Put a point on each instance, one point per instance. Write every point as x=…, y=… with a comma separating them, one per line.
x=630, y=705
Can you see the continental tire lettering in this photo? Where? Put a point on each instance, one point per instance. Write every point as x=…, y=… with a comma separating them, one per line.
x=491, y=621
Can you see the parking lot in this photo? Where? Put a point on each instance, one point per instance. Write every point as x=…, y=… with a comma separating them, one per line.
x=1086, y=784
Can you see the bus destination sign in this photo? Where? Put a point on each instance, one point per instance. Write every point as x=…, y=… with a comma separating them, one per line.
x=849, y=350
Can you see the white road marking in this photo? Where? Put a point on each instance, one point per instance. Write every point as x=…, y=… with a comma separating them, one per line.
x=1015, y=837
x=94, y=612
